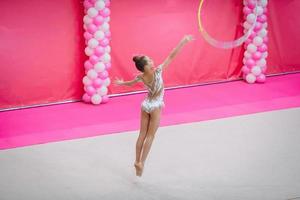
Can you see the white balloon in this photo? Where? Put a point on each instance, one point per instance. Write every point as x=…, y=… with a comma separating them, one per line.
x=265, y=25
x=247, y=54
x=106, y=19
x=107, y=49
x=96, y=99
x=250, y=78
x=99, y=67
x=106, y=82
x=99, y=35
x=86, y=80
x=102, y=90
x=265, y=54
x=261, y=63
x=87, y=20
x=259, y=10
x=106, y=58
x=256, y=70
x=247, y=25
x=92, y=74
x=251, y=48
x=263, y=3
x=88, y=51
x=104, y=27
x=92, y=12
x=93, y=43
x=263, y=33
x=99, y=5
x=257, y=41
x=251, y=18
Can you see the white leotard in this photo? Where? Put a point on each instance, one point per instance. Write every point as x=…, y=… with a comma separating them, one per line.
x=155, y=96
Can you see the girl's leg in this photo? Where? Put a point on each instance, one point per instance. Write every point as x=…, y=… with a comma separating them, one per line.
x=153, y=126
x=145, y=118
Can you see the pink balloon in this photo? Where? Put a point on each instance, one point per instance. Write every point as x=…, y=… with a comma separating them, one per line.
x=250, y=63
x=88, y=65
x=265, y=10
x=261, y=78
x=248, y=41
x=104, y=42
x=246, y=11
x=93, y=59
x=103, y=75
x=259, y=19
x=252, y=35
x=93, y=1
x=262, y=18
x=107, y=66
x=262, y=48
x=258, y=26
x=245, y=69
x=86, y=98
x=105, y=12
x=107, y=3
x=99, y=51
x=97, y=82
x=87, y=35
x=256, y=55
x=90, y=90
x=251, y=4
x=92, y=28
x=266, y=40
x=98, y=20
x=107, y=34
x=105, y=99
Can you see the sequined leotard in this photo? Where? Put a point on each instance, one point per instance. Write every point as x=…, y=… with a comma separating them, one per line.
x=155, y=96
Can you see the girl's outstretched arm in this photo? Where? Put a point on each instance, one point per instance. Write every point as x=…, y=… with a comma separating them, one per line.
x=127, y=83
x=176, y=50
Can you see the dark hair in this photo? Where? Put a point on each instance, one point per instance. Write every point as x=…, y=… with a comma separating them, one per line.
x=140, y=62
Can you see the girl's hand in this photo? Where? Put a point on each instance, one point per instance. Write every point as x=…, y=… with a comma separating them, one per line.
x=188, y=38
x=118, y=81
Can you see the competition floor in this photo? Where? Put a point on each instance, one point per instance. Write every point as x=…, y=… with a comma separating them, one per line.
x=249, y=157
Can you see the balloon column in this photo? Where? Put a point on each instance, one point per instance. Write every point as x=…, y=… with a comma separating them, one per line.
x=97, y=36
x=256, y=45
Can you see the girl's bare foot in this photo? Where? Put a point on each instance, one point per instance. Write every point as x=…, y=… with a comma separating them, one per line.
x=139, y=168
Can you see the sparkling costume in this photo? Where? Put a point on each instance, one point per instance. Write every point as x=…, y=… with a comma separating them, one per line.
x=155, y=96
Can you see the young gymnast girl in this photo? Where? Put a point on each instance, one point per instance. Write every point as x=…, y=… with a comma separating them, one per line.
x=151, y=106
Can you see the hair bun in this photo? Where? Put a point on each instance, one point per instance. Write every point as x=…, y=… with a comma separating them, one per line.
x=140, y=62
x=136, y=58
